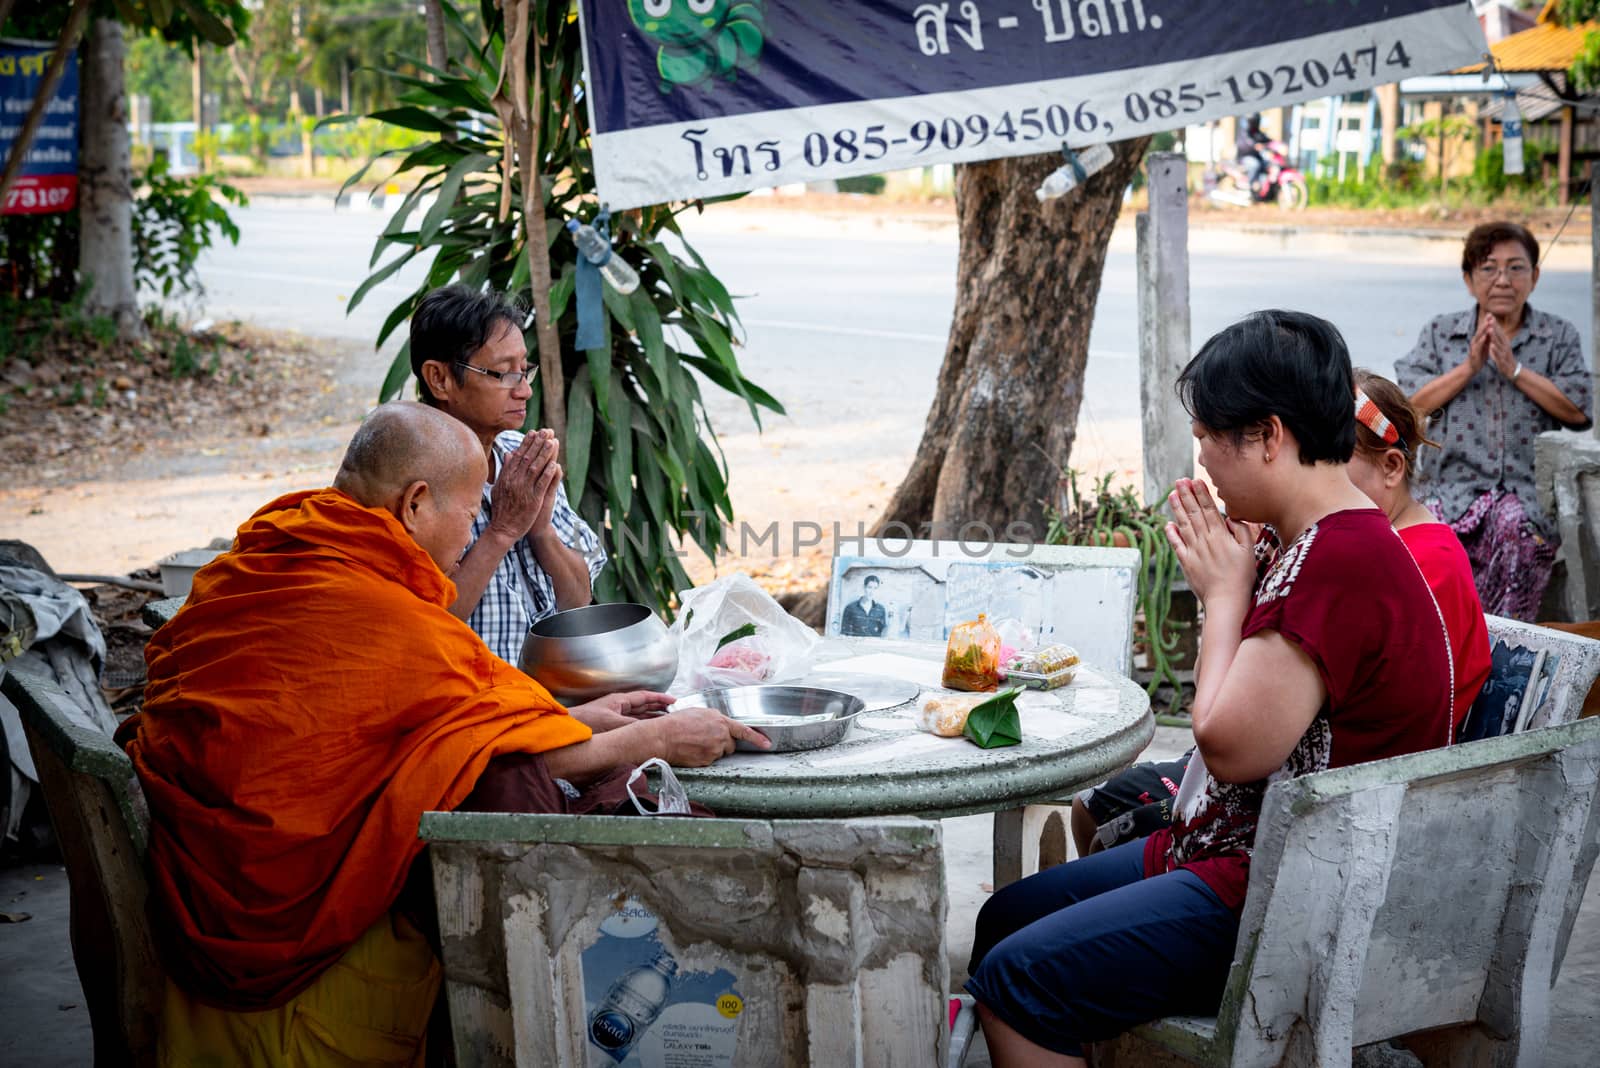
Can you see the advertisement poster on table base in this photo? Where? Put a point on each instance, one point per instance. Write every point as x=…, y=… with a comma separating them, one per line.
x=642, y=1010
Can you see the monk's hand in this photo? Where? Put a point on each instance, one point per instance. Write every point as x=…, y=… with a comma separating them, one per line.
x=518, y=497
x=620, y=709
x=1217, y=554
x=694, y=737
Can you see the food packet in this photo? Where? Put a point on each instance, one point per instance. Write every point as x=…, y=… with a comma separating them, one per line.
x=972, y=657
x=994, y=722
x=946, y=714
x=1042, y=669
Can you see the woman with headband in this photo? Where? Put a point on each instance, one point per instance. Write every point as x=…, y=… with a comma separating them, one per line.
x=1388, y=435
x=1324, y=652
x=1490, y=379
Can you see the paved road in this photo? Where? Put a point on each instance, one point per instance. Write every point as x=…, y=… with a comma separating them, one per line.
x=846, y=323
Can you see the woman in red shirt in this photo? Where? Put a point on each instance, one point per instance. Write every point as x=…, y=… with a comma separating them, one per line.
x=1327, y=652
x=1388, y=436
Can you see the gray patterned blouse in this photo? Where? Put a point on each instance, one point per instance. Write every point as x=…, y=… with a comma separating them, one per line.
x=1487, y=429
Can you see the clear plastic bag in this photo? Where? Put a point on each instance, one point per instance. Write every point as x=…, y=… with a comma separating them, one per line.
x=972, y=657
x=732, y=633
x=671, y=799
x=946, y=714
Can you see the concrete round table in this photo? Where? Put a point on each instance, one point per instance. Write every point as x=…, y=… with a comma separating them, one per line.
x=1072, y=737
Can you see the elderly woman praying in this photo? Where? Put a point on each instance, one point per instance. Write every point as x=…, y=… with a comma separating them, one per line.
x=1491, y=378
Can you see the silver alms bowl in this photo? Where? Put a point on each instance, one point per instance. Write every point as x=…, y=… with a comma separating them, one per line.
x=585, y=653
x=792, y=717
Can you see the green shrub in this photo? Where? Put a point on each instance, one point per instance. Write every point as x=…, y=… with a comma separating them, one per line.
x=872, y=184
x=642, y=461
x=173, y=222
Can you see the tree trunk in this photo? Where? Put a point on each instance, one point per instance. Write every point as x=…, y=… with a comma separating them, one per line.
x=105, y=185
x=1006, y=411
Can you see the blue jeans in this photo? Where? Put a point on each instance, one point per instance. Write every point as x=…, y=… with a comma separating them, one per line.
x=1086, y=950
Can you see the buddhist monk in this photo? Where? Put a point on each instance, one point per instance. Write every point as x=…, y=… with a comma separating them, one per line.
x=310, y=701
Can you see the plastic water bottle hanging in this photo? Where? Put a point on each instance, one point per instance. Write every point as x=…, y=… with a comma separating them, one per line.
x=1511, y=131
x=597, y=250
x=1074, y=172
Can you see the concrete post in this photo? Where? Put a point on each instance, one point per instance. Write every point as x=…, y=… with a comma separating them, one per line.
x=1163, y=266
x=1594, y=281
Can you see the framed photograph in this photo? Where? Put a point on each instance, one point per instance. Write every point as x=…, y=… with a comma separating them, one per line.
x=919, y=590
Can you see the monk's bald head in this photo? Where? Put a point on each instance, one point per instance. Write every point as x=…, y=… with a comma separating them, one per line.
x=402, y=443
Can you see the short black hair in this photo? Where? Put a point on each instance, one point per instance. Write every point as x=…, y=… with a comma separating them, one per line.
x=1481, y=241
x=872, y=578
x=1288, y=364
x=452, y=323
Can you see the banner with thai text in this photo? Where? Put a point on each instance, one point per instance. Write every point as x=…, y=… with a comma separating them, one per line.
x=699, y=98
x=49, y=178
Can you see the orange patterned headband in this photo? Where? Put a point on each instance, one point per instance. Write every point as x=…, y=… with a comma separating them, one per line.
x=1371, y=416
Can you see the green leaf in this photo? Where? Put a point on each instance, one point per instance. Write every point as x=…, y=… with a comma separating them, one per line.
x=414, y=118
x=620, y=471
x=734, y=635
x=647, y=322
x=599, y=362
x=399, y=371
x=445, y=203
x=334, y=120
x=561, y=290
x=399, y=315
x=377, y=278
x=580, y=434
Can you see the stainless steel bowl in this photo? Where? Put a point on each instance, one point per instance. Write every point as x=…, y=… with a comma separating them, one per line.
x=586, y=653
x=792, y=717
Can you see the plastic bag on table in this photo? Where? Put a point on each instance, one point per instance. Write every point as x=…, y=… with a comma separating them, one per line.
x=972, y=657
x=945, y=714
x=732, y=633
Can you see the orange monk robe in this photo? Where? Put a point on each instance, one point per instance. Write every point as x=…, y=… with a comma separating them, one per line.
x=309, y=702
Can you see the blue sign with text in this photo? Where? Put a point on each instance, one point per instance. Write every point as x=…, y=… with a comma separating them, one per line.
x=49, y=178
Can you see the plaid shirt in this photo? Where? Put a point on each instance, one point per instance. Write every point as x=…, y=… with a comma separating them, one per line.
x=520, y=592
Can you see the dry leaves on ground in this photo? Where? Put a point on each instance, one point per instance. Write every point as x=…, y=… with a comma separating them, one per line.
x=66, y=413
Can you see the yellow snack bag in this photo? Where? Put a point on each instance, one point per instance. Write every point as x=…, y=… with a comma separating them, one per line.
x=972, y=657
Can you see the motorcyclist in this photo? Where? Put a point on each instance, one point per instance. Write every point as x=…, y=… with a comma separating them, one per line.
x=1246, y=154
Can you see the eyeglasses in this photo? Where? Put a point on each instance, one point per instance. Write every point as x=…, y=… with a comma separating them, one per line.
x=507, y=379
x=1514, y=272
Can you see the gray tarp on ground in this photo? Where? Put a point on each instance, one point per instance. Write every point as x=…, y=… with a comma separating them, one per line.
x=68, y=647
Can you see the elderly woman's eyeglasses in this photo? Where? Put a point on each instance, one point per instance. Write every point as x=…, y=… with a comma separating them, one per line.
x=506, y=379
x=1514, y=272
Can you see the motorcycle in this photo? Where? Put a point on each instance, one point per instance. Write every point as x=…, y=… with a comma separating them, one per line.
x=1276, y=182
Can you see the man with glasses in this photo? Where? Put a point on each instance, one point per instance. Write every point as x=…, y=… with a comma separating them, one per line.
x=1491, y=379
x=531, y=555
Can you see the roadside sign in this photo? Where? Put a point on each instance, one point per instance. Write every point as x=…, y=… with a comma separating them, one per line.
x=49, y=178
x=700, y=98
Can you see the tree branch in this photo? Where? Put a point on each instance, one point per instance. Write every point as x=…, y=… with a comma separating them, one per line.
x=71, y=34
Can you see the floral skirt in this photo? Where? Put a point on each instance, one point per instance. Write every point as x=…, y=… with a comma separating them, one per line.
x=1511, y=560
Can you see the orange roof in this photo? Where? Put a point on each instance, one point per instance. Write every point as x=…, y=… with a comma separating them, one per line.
x=1548, y=46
